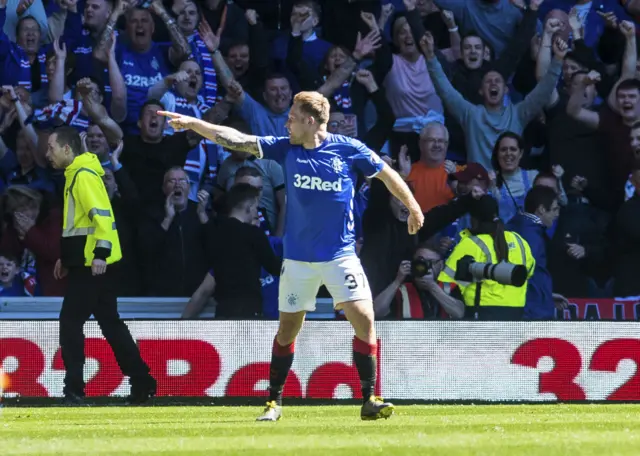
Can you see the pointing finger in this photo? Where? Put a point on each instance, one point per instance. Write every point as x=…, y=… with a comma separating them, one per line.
x=172, y=115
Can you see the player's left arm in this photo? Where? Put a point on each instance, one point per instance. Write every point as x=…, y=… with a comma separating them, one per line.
x=398, y=188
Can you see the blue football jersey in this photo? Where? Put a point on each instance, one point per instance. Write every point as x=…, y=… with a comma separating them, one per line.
x=140, y=72
x=320, y=224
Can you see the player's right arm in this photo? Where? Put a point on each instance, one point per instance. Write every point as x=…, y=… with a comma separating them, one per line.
x=228, y=138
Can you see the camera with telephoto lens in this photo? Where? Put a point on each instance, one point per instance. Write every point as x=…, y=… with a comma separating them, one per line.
x=420, y=267
x=469, y=270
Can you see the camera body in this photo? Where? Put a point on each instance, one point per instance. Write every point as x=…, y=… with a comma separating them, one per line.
x=469, y=270
x=420, y=267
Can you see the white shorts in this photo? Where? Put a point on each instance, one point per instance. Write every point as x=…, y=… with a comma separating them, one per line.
x=300, y=281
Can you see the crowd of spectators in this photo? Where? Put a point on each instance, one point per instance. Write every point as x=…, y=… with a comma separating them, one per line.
x=502, y=95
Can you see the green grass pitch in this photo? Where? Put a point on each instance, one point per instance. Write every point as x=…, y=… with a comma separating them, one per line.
x=547, y=430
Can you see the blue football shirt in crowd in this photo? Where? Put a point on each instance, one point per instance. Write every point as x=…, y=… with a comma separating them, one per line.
x=320, y=186
x=140, y=72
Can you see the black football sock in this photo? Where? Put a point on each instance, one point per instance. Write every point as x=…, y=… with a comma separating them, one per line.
x=364, y=357
x=281, y=360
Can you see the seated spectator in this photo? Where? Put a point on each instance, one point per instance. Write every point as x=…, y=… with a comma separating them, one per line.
x=31, y=230
x=172, y=240
x=482, y=123
x=237, y=251
x=415, y=292
x=241, y=167
x=11, y=284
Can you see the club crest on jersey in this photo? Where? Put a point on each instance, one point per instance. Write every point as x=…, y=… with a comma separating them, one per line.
x=154, y=64
x=337, y=164
x=292, y=300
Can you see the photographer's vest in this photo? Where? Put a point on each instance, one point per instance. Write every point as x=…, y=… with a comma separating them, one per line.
x=489, y=293
x=408, y=303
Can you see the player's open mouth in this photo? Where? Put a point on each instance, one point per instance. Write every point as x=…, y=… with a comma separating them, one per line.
x=193, y=84
x=177, y=193
x=140, y=33
x=4, y=276
x=493, y=92
x=153, y=124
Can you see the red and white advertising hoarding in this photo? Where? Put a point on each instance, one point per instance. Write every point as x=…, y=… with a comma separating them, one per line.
x=519, y=361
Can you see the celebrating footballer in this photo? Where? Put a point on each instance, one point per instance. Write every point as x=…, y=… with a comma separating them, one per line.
x=319, y=241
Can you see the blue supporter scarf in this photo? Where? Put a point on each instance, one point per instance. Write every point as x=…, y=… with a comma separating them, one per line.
x=24, y=78
x=342, y=97
x=201, y=54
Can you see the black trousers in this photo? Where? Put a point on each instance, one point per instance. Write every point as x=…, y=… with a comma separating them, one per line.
x=86, y=295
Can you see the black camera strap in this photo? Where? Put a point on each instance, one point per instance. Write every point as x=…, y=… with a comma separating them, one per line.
x=476, y=300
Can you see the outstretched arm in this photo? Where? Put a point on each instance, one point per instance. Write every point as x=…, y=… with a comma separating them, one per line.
x=398, y=188
x=225, y=136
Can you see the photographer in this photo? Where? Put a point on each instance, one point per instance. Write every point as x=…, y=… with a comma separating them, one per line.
x=486, y=242
x=415, y=293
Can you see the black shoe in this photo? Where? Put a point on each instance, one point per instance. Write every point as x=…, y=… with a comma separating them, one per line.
x=142, y=391
x=72, y=400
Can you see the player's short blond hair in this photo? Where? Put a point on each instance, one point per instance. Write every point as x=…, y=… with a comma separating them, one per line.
x=313, y=104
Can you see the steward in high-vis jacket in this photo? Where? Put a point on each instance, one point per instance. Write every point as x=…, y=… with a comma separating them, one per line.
x=89, y=244
x=89, y=227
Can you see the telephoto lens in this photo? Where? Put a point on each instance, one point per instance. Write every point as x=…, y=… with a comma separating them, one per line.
x=504, y=273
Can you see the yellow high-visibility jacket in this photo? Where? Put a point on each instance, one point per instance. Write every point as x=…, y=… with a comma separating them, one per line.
x=88, y=227
x=482, y=249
